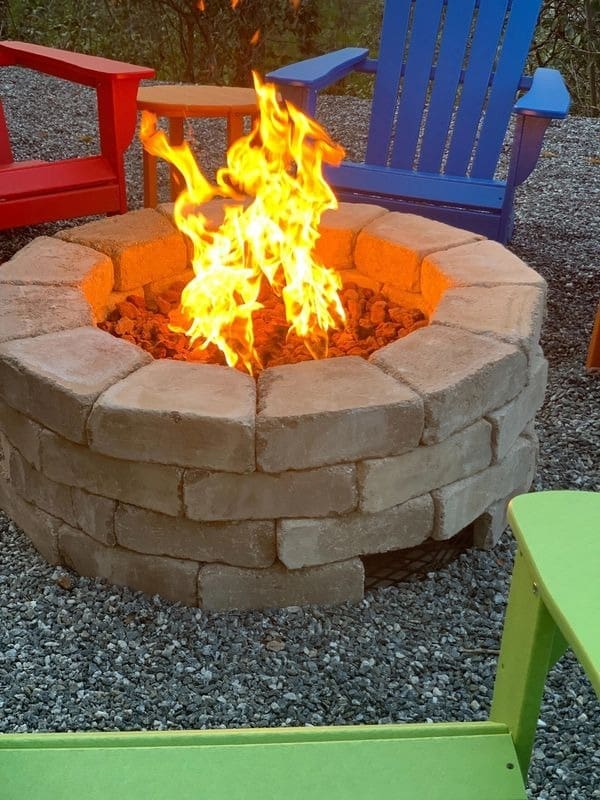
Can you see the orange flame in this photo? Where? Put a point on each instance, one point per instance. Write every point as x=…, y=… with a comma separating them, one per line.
x=255, y=37
x=235, y=3
x=201, y=6
x=279, y=165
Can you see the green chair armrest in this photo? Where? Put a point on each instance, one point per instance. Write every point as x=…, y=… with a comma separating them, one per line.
x=559, y=536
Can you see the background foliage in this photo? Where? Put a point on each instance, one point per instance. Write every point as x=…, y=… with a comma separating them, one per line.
x=208, y=41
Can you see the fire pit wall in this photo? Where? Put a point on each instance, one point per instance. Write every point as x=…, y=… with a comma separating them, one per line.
x=207, y=487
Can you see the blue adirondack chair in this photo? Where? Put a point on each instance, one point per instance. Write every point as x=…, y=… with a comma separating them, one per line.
x=447, y=79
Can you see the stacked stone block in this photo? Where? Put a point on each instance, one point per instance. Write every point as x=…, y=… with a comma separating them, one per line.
x=203, y=485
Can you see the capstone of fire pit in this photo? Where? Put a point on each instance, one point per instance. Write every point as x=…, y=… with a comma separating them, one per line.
x=208, y=487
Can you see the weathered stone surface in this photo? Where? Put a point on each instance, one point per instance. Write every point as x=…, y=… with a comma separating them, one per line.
x=46, y=261
x=40, y=527
x=339, y=229
x=172, y=412
x=5, y=450
x=511, y=313
x=55, y=378
x=34, y=310
x=6, y=491
x=460, y=375
x=258, y=495
x=94, y=515
x=244, y=544
x=354, y=276
x=36, y=488
x=460, y=503
x=509, y=421
x=213, y=210
x=143, y=245
x=152, y=290
x=152, y=486
x=405, y=298
x=224, y=588
x=392, y=247
x=322, y=412
x=173, y=579
x=386, y=482
x=306, y=542
x=482, y=263
x=114, y=298
x=22, y=432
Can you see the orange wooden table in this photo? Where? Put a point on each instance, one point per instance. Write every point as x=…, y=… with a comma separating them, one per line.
x=176, y=103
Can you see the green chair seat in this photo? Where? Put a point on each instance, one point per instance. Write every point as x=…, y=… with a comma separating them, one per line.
x=433, y=762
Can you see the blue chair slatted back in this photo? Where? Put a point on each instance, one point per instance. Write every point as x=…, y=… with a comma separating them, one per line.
x=447, y=78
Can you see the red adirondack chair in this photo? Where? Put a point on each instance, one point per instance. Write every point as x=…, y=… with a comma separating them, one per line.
x=40, y=191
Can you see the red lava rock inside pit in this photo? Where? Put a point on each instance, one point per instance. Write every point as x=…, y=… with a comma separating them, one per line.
x=372, y=321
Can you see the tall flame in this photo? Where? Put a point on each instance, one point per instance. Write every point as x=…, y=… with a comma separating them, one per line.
x=271, y=236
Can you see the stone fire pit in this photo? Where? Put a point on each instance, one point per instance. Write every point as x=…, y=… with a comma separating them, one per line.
x=201, y=484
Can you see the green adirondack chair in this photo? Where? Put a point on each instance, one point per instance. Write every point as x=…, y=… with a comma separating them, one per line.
x=554, y=603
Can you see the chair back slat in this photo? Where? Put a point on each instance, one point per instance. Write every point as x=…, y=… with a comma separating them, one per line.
x=387, y=82
x=481, y=58
x=449, y=64
x=510, y=64
x=417, y=73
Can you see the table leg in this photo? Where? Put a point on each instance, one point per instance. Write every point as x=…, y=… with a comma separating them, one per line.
x=235, y=127
x=593, y=358
x=150, y=190
x=176, y=138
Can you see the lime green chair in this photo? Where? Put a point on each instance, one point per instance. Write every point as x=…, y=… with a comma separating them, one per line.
x=554, y=603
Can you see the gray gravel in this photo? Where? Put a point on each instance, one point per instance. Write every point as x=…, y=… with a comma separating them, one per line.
x=99, y=657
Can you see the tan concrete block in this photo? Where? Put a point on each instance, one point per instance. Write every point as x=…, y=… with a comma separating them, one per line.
x=5, y=450
x=324, y=412
x=152, y=290
x=36, y=488
x=6, y=492
x=33, y=310
x=114, y=298
x=152, y=486
x=386, y=482
x=306, y=542
x=40, y=527
x=392, y=247
x=143, y=245
x=173, y=579
x=459, y=504
x=244, y=544
x=404, y=298
x=258, y=495
x=213, y=210
x=511, y=420
x=56, y=378
x=459, y=375
x=338, y=231
x=482, y=263
x=224, y=588
x=47, y=261
x=22, y=432
x=511, y=313
x=172, y=412
x=354, y=276
x=94, y=515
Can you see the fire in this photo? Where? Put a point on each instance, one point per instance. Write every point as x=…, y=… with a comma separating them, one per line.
x=275, y=176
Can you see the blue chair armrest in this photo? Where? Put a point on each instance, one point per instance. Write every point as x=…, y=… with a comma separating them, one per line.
x=547, y=97
x=317, y=73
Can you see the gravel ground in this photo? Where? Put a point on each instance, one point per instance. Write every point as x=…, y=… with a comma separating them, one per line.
x=100, y=657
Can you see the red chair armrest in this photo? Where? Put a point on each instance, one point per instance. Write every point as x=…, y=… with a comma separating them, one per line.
x=76, y=67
